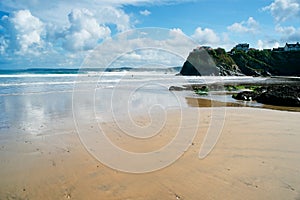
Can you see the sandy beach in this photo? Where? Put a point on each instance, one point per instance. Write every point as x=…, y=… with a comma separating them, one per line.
x=256, y=157
x=149, y=100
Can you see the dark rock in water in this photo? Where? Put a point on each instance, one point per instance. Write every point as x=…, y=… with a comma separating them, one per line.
x=280, y=96
x=245, y=96
x=177, y=88
x=274, y=95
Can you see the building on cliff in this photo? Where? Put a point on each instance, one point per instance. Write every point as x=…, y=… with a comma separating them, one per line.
x=242, y=47
x=279, y=49
x=292, y=47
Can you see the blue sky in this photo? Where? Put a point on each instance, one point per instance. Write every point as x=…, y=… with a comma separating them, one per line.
x=61, y=33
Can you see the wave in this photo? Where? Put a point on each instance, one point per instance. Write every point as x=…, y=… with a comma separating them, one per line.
x=35, y=93
x=56, y=83
x=37, y=75
x=77, y=71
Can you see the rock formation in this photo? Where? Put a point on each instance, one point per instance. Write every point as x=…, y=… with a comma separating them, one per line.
x=252, y=63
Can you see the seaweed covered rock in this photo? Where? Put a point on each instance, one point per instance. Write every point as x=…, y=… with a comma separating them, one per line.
x=285, y=95
x=281, y=96
x=245, y=96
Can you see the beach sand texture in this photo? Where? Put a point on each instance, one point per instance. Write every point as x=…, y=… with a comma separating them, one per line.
x=257, y=157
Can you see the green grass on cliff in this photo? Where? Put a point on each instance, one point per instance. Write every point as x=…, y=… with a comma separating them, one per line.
x=260, y=62
x=221, y=57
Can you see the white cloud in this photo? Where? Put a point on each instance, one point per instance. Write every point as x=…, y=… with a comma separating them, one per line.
x=27, y=30
x=56, y=11
x=45, y=28
x=176, y=31
x=205, y=36
x=148, y=58
x=282, y=10
x=261, y=44
x=249, y=26
x=3, y=45
x=152, y=46
x=105, y=11
x=285, y=30
x=112, y=15
x=84, y=31
x=227, y=43
x=208, y=37
x=145, y=12
x=288, y=33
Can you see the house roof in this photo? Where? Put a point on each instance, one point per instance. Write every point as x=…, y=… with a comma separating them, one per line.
x=278, y=49
x=243, y=45
x=293, y=45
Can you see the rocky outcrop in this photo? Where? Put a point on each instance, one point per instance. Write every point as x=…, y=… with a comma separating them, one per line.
x=251, y=63
x=202, y=62
x=285, y=95
x=199, y=63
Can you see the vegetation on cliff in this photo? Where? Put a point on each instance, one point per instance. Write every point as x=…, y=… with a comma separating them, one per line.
x=225, y=64
x=265, y=62
x=251, y=63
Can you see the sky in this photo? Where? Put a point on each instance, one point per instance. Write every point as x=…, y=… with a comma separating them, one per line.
x=61, y=33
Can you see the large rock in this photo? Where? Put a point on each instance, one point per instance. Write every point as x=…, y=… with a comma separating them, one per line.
x=281, y=96
x=199, y=63
x=274, y=95
x=245, y=96
x=204, y=62
x=189, y=70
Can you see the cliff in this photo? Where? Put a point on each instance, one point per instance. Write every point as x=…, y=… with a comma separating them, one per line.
x=253, y=63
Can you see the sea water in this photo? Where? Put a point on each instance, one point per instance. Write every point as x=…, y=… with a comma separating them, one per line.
x=38, y=100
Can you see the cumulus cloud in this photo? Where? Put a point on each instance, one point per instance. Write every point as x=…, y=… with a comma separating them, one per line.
x=205, y=36
x=267, y=44
x=48, y=29
x=176, y=34
x=176, y=31
x=285, y=30
x=26, y=32
x=145, y=12
x=84, y=31
x=55, y=11
x=158, y=47
x=282, y=10
x=289, y=33
x=112, y=15
x=249, y=26
x=3, y=45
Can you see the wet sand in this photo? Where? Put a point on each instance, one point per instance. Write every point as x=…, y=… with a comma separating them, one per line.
x=210, y=102
x=256, y=157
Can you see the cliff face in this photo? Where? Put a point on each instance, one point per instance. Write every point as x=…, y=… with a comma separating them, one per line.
x=252, y=63
x=199, y=63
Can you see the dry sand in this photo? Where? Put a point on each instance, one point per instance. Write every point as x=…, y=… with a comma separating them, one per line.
x=256, y=157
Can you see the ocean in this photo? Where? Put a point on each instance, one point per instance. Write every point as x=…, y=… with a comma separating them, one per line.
x=37, y=81
x=35, y=101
